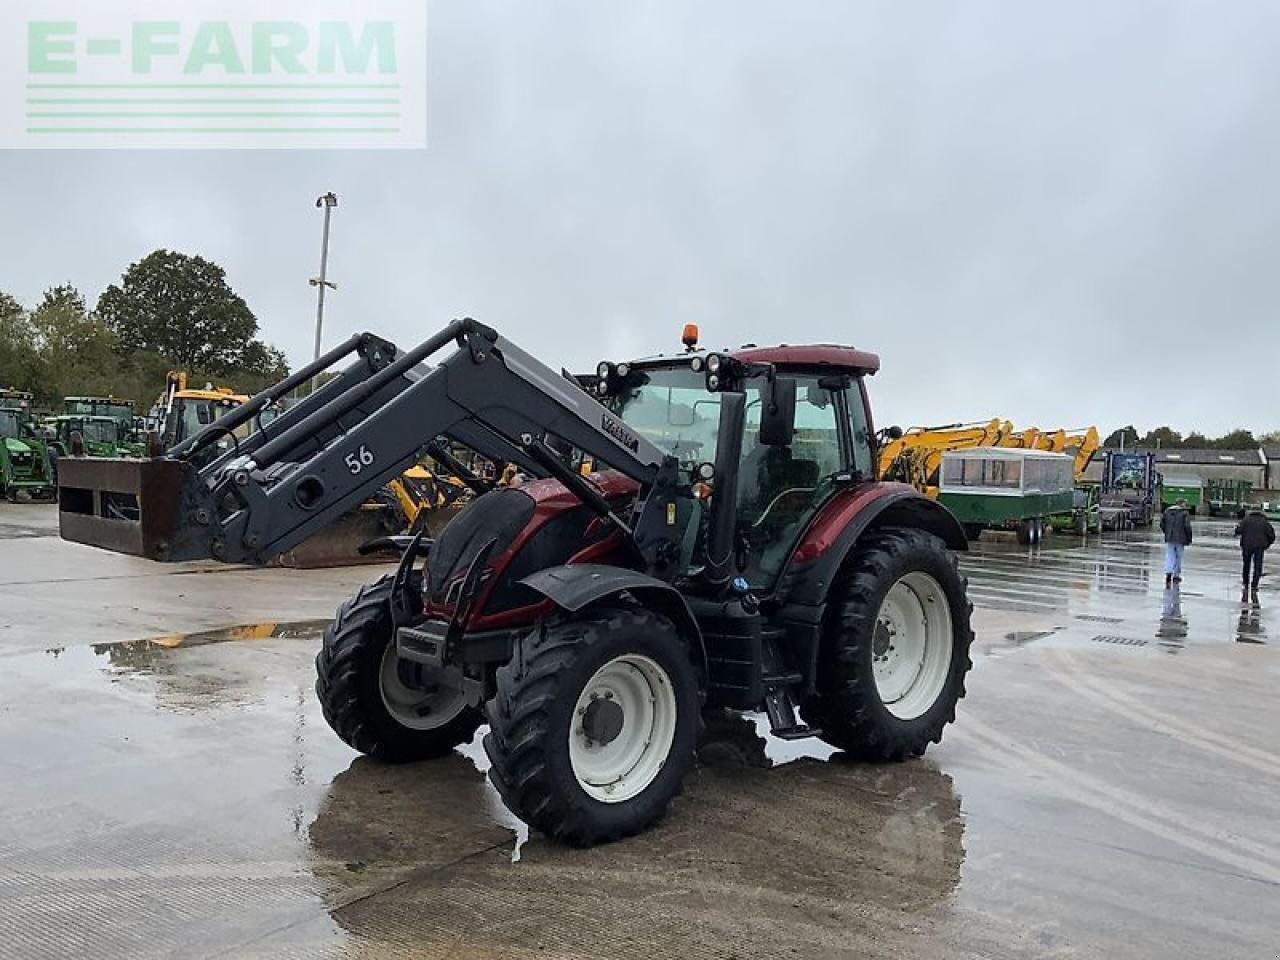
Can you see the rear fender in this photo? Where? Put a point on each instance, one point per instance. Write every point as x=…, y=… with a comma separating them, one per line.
x=575, y=586
x=833, y=536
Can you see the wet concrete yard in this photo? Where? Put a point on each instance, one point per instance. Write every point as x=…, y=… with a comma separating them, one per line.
x=1109, y=790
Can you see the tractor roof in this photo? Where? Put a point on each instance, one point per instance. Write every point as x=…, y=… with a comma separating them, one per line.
x=838, y=358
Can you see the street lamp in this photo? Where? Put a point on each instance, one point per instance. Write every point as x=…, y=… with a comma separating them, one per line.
x=328, y=202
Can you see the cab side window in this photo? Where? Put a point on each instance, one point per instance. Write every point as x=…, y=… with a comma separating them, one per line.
x=859, y=431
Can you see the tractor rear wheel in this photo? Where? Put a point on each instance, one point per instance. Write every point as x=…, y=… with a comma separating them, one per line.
x=366, y=700
x=594, y=724
x=895, y=650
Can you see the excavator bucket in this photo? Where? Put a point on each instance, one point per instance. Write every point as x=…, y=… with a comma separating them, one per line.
x=338, y=545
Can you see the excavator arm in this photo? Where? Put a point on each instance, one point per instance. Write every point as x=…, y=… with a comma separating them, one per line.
x=290, y=478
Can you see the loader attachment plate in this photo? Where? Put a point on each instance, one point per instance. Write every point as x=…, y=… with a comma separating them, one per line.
x=129, y=506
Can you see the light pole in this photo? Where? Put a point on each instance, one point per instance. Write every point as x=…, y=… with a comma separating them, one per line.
x=328, y=202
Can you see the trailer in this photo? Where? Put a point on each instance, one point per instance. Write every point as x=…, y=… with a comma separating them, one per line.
x=1227, y=497
x=1007, y=488
x=1185, y=487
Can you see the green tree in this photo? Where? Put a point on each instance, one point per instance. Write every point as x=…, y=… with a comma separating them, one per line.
x=182, y=308
x=1162, y=437
x=1196, y=441
x=77, y=353
x=19, y=362
x=1130, y=434
x=1237, y=439
x=1270, y=439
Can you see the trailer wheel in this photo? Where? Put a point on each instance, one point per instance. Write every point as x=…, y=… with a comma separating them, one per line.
x=594, y=724
x=366, y=701
x=895, y=648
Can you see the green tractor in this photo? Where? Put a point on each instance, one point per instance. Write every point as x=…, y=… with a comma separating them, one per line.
x=128, y=424
x=1085, y=515
x=91, y=436
x=26, y=472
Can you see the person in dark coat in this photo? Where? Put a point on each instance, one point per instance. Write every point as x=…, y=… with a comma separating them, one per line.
x=1256, y=534
x=1176, y=524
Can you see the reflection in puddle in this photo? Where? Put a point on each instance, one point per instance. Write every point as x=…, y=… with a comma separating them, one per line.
x=1173, y=625
x=1249, y=627
x=756, y=858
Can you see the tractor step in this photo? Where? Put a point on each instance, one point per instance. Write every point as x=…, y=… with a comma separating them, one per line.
x=798, y=732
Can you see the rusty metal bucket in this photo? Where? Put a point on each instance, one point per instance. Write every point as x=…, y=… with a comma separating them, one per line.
x=129, y=506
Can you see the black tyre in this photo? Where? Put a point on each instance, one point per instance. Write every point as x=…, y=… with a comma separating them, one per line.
x=594, y=724
x=902, y=598
x=366, y=699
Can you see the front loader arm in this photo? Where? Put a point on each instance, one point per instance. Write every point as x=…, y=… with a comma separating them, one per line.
x=328, y=454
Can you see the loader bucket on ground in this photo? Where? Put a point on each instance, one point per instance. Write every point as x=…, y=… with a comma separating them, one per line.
x=338, y=545
x=128, y=506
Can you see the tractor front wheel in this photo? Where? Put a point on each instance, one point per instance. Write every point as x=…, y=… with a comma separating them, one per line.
x=371, y=702
x=594, y=724
x=895, y=650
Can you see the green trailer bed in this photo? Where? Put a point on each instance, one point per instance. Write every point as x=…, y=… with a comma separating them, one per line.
x=1175, y=487
x=1007, y=488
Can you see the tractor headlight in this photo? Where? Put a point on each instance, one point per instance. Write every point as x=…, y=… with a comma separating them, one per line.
x=623, y=369
x=713, y=382
x=602, y=388
x=696, y=364
x=713, y=363
x=602, y=370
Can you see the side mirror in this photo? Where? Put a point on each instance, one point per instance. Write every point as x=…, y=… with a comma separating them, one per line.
x=894, y=433
x=778, y=412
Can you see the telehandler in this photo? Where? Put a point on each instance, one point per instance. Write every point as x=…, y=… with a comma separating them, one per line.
x=735, y=549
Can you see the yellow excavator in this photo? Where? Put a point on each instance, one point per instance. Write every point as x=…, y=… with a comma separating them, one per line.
x=915, y=457
x=181, y=411
x=1082, y=444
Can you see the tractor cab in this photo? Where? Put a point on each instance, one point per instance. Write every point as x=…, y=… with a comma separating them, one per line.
x=98, y=435
x=10, y=424
x=804, y=434
x=121, y=411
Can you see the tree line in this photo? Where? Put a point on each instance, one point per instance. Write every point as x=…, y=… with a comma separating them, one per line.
x=1170, y=439
x=170, y=311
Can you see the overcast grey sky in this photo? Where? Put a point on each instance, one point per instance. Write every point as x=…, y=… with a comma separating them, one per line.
x=1058, y=213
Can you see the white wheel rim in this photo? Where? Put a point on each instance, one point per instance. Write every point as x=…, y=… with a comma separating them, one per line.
x=911, y=645
x=417, y=708
x=631, y=760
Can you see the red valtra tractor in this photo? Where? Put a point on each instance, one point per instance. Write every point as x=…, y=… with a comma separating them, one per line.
x=731, y=548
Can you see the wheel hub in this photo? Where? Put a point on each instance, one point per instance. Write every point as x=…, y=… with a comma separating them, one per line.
x=622, y=728
x=911, y=645
x=603, y=721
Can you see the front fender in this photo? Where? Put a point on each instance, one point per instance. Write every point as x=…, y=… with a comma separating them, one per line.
x=575, y=586
x=833, y=535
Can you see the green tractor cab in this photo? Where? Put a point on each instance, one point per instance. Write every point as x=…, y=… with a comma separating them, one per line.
x=121, y=411
x=25, y=469
x=1085, y=515
x=91, y=436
